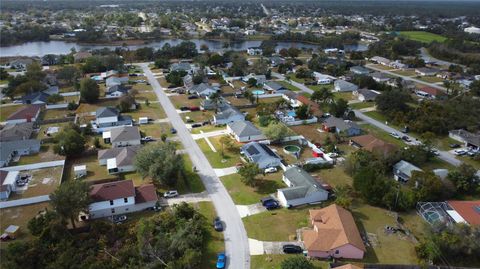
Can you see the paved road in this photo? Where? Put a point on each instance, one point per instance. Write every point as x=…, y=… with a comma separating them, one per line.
x=296, y=84
x=236, y=240
x=433, y=85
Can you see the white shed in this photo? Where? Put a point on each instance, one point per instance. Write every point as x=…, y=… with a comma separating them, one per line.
x=80, y=171
x=143, y=120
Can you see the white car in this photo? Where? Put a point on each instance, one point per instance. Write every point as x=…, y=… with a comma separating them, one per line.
x=395, y=135
x=170, y=194
x=460, y=152
x=271, y=170
x=332, y=155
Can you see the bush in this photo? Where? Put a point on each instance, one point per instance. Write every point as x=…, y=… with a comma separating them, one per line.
x=311, y=167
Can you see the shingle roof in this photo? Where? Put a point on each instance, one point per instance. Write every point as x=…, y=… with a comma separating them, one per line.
x=145, y=193
x=202, y=87
x=244, y=128
x=228, y=112
x=340, y=124
x=274, y=85
x=10, y=146
x=345, y=86
x=373, y=144
x=26, y=112
x=112, y=190
x=303, y=183
x=367, y=94
x=124, y=155
x=104, y=112
x=335, y=227
x=124, y=133
x=12, y=132
x=406, y=167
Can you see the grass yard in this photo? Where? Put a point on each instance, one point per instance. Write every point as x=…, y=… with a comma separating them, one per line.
x=214, y=243
x=152, y=111
x=156, y=130
x=215, y=158
x=46, y=154
x=383, y=67
x=207, y=129
x=422, y=36
x=182, y=100
x=408, y=73
x=246, y=195
x=274, y=261
x=436, y=163
x=269, y=100
x=470, y=161
x=335, y=176
x=163, y=82
x=6, y=111
x=42, y=182
x=311, y=132
x=318, y=87
x=95, y=172
x=84, y=107
x=348, y=96
x=142, y=96
x=288, y=86
x=44, y=127
x=50, y=114
x=227, y=89
x=361, y=105
x=431, y=79
x=198, y=116
x=238, y=101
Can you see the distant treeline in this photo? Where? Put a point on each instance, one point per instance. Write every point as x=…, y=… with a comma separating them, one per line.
x=331, y=41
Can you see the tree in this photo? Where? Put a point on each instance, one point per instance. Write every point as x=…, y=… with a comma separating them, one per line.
x=68, y=74
x=3, y=74
x=371, y=186
x=293, y=52
x=215, y=59
x=70, y=199
x=226, y=143
x=160, y=162
x=339, y=107
x=54, y=98
x=89, y=90
x=343, y=196
x=249, y=173
x=283, y=52
x=276, y=131
x=162, y=62
x=323, y=95
x=303, y=112
x=216, y=99
x=296, y=262
x=464, y=178
x=198, y=78
x=176, y=77
x=475, y=88
x=252, y=82
x=69, y=142
x=125, y=103
x=35, y=72
x=392, y=101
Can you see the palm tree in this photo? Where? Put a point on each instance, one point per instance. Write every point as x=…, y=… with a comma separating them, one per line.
x=216, y=99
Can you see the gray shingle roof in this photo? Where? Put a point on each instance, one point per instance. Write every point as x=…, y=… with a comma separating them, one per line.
x=274, y=85
x=345, y=86
x=103, y=112
x=340, y=124
x=124, y=156
x=9, y=147
x=16, y=132
x=406, y=167
x=303, y=183
x=228, y=112
x=124, y=133
x=244, y=128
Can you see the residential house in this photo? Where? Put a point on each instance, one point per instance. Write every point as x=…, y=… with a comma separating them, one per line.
x=261, y=79
x=373, y=144
x=430, y=93
x=182, y=66
x=116, y=91
x=29, y=113
x=110, y=117
x=227, y=115
x=188, y=81
x=341, y=126
x=260, y=154
x=118, y=160
x=81, y=56
x=109, y=73
x=380, y=60
x=13, y=132
x=471, y=140
x=425, y=71
x=244, y=131
x=302, y=189
x=274, y=87
x=314, y=107
x=398, y=65
x=36, y=98
x=359, y=70
x=122, y=136
x=467, y=212
x=323, y=79
x=120, y=197
x=10, y=149
x=276, y=61
x=291, y=98
x=203, y=89
x=209, y=104
x=115, y=81
x=365, y=95
x=8, y=183
x=334, y=234
x=380, y=77
x=344, y=86
x=402, y=171
x=254, y=51
x=21, y=64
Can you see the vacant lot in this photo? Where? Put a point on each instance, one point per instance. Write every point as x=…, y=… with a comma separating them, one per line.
x=311, y=132
x=198, y=116
x=246, y=195
x=152, y=111
x=20, y=216
x=182, y=100
x=422, y=36
x=42, y=182
x=84, y=107
x=6, y=111
x=238, y=101
x=156, y=130
x=229, y=158
x=335, y=176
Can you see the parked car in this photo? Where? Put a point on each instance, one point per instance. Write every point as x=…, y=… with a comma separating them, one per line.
x=269, y=203
x=196, y=125
x=292, y=249
x=6, y=237
x=460, y=152
x=184, y=108
x=395, y=135
x=454, y=146
x=194, y=108
x=217, y=224
x=405, y=130
x=221, y=260
x=119, y=219
x=170, y=194
x=148, y=139
x=173, y=131
x=271, y=170
x=192, y=97
x=435, y=152
x=406, y=138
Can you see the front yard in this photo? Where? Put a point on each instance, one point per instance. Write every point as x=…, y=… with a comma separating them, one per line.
x=198, y=116
x=182, y=100
x=246, y=195
x=152, y=111
x=229, y=159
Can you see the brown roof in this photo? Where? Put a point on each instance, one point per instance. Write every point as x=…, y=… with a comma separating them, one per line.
x=431, y=90
x=348, y=266
x=145, y=193
x=3, y=176
x=469, y=210
x=27, y=112
x=314, y=107
x=333, y=227
x=112, y=190
x=373, y=144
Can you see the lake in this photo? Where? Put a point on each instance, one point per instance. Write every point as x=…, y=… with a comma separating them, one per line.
x=63, y=47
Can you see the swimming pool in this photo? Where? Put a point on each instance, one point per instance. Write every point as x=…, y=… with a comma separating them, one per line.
x=291, y=113
x=258, y=92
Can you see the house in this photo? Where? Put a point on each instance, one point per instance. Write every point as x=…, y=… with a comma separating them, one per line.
x=36, y=98
x=425, y=71
x=274, y=87
x=182, y=66
x=13, y=132
x=380, y=77
x=254, y=51
x=115, y=81
x=28, y=113
x=109, y=73
x=116, y=91
x=344, y=86
x=398, y=65
x=203, y=89
x=209, y=104
x=187, y=81
x=110, y=117
x=359, y=70
x=120, y=197
x=469, y=139
x=21, y=64
x=8, y=183
x=373, y=144
x=465, y=212
x=81, y=56
x=430, y=93
x=118, y=160
x=323, y=79
x=244, y=131
x=340, y=126
x=276, y=61
x=365, y=95
x=334, y=234
x=122, y=136
x=228, y=114
x=380, y=60
x=314, y=107
x=260, y=154
x=261, y=79
x=302, y=189
x=10, y=149
x=402, y=171
x=291, y=98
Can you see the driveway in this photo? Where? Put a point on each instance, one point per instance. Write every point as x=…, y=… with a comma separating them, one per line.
x=248, y=210
x=187, y=198
x=235, y=236
x=258, y=247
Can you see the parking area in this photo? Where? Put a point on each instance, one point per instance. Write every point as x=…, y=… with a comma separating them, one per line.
x=38, y=182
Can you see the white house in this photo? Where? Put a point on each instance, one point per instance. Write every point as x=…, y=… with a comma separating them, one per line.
x=323, y=79
x=302, y=189
x=344, y=86
x=122, y=136
x=120, y=197
x=118, y=160
x=254, y=51
x=291, y=98
x=244, y=131
x=110, y=117
x=8, y=181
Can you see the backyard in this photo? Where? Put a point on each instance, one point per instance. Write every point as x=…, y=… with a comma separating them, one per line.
x=152, y=111
x=42, y=182
x=6, y=111
x=246, y=195
x=274, y=261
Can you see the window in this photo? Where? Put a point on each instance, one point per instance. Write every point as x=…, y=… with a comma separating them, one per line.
x=111, y=202
x=113, y=210
x=337, y=251
x=125, y=200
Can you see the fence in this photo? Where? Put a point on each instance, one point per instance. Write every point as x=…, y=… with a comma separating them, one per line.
x=301, y=122
x=49, y=121
x=57, y=106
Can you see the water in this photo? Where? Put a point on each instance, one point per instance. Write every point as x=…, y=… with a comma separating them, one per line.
x=62, y=47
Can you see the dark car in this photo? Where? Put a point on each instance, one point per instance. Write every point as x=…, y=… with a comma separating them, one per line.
x=265, y=199
x=196, y=125
x=272, y=204
x=454, y=146
x=292, y=249
x=184, y=108
x=173, y=131
x=406, y=138
x=192, y=97
x=217, y=224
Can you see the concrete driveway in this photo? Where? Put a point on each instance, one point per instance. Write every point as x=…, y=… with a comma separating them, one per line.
x=258, y=247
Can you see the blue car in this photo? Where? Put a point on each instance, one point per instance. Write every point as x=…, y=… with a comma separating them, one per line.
x=221, y=260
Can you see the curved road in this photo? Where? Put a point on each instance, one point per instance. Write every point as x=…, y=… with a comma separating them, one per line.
x=235, y=235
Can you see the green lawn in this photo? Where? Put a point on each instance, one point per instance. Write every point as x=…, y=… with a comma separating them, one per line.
x=215, y=158
x=288, y=86
x=215, y=243
x=431, y=79
x=271, y=261
x=409, y=73
x=156, y=130
x=361, y=105
x=152, y=111
x=246, y=195
x=348, y=96
x=207, y=129
x=422, y=36
x=6, y=111
x=335, y=176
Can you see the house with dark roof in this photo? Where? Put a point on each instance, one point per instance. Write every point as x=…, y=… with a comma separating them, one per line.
x=469, y=139
x=244, y=131
x=28, y=113
x=425, y=71
x=430, y=93
x=380, y=77
x=373, y=144
x=276, y=61
x=36, y=98
x=118, y=160
x=182, y=66
x=116, y=91
x=260, y=154
x=344, y=86
x=359, y=70
x=302, y=189
x=334, y=234
x=13, y=132
x=341, y=126
x=402, y=171
x=261, y=79
x=380, y=60
x=115, y=81
x=81, y=56
x=120, y=197
x=110, y=117
x=365, y=95
x=122, y=136
x=227, y=115
x=10, y=149
x=274, y=87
